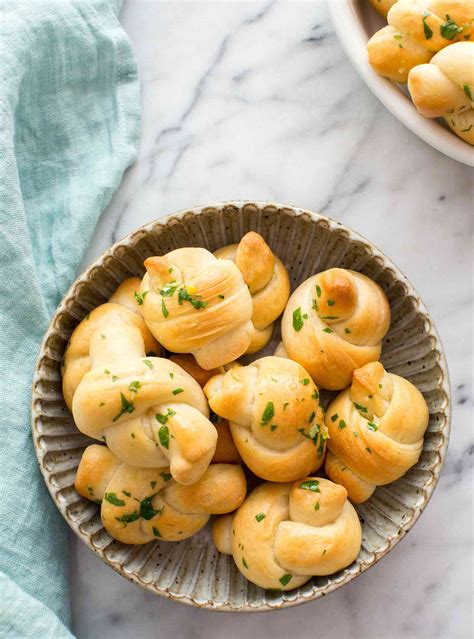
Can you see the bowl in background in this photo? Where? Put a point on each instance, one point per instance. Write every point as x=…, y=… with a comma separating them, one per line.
x=355, y=21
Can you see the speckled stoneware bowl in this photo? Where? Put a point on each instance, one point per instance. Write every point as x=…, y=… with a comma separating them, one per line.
x=193, y=571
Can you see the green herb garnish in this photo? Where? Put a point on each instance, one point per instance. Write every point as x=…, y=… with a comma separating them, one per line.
x=304, y=381
x=372, y=426
x=318, y=290
x=285, y=579
x=127, y=407
x=140, y=298
x=244, y=563
x=194, y=300
x=177, y=391
x=334, y=417
x=450, y=29
x=328, y=330
x=330, y=302
x=426, y=27
x=467, y=91
x=113, y=499
x=165, y=476
x=148, y=363
x=146, y=509
x=169, y=289
x=362, y=409
x=297, y=319
x=134, y=386
x=260, y=516
x=310, y=484
x=164, y=310
x=316, y=506
x=342, y=424
x=268, y=413
x=128, y=518
x=164, y=436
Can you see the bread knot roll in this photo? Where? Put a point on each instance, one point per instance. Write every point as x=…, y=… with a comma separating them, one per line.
x=376, y=430
x=139, y=505
x=274, y=414
x=334, y=323
x=149, y=410
x=196, y=303
x=283, y=534
x=123, y=307
x=445, y=85
x=416, y=30
x=267, y=280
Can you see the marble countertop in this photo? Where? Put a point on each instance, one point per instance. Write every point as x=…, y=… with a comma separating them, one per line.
x=256, y=100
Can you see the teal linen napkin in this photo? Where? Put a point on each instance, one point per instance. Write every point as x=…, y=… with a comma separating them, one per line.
x=69, y=126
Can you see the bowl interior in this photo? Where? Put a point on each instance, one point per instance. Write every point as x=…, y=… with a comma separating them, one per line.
x=192, y=571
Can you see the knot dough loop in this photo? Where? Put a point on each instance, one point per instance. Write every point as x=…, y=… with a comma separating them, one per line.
x=417, y=29
x=268, y=282
x=334, y=323
x=376, y=430
x=446, y=84
x=149, y=410
x=139, y=505
x=122, y=307
x=274, y=415
x=284, y=534
x=198, y=304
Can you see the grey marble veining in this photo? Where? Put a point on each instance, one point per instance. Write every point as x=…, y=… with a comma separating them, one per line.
x=256, y=100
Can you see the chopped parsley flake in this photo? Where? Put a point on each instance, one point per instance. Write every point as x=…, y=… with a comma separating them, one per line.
x=156, y=532
x=164, y=436
x=318, y=290
x=165, y=476
x=316, y=506
x=347, y=331
x=125, y=492
x=304, y=381
x=311, y=484
x=146, y=509
x=164, y=310
x=362, y=409
x=169, y=289
x=334, y=417
x=268, y=414
x=260, y=516
x=128, y=518
x=127, y=407
x=273, y=427
x=113, y=499
x=372, y=426
x=285, y=579
x=467, y=91
x=449, y=29
x=297, y=319
x=330, y=302
x=311, y=417
x=148, y=363
x=194, y=300
x=315, y=395
x=177, y=391
x=244, y=563
x=342, y=424
x=153, y=484
x=134, y=386
x=114, y=378
x=368, y=450
x=328, y=330
x=140, y=298
x=426, y=27
x=285, y=405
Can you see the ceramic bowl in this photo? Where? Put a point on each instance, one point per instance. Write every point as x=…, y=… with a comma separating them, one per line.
x=193, y=571
x=355, y=21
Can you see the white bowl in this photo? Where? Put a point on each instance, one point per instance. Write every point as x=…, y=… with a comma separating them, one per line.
x=355, y=21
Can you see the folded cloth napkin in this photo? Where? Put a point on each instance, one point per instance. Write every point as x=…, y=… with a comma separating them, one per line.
x=69, y=126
